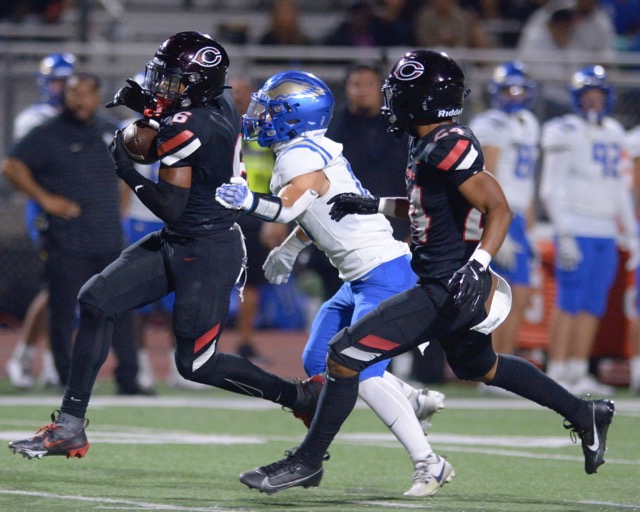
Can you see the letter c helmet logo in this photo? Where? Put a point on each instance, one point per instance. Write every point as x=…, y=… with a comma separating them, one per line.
x=409, y=70
x=208, y=57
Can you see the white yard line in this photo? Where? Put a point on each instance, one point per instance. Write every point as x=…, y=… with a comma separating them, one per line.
x=114, y=504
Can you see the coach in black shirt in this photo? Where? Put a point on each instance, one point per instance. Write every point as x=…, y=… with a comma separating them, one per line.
x=65, y=166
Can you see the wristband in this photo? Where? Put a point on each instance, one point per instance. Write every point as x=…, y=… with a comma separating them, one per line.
x=265, y=207
x=482, y=257
x=387, y=206
x=294, y=244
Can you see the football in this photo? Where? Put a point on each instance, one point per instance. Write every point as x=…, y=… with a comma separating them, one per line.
x=140, y=141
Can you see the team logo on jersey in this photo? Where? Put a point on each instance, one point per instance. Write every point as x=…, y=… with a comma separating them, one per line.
x=409, y=70
x=290, y=88
x=208, y=57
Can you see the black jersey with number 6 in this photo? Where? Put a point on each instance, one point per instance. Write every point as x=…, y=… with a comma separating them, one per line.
x=445, y=228
x=207, y=139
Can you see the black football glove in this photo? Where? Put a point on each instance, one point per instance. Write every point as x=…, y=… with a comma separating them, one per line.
x=349, y=202
x=467, y=285
x=132, y=96
x=121, y=160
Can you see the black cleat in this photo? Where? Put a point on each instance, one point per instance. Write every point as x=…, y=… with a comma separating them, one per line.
x=285, y=473
x=594, y=438
x=307, y=402
x=53, y=439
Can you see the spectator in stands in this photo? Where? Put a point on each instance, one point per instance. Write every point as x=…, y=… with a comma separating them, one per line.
x=509, y=134
x=357, y=28
x=53, y=71
x=284, y=27
x=543, y=36
x=260, y=236
x=593, y=28
x=392, y=22
x=445, y=23
x=65, y=166
x=626, y=19
x=586, y=197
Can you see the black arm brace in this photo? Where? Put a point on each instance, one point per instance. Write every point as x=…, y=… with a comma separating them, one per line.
x=165, y=200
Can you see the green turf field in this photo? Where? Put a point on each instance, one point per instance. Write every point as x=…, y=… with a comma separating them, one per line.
x=183, y=451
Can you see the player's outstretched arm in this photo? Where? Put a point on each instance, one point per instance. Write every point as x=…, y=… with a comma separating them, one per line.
x=290, y=204
x=349, y=203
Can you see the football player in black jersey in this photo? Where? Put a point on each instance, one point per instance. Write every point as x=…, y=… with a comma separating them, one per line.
x=459, y=218
x=199, y=253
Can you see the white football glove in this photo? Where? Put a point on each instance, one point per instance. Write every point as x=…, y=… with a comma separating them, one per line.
x=235, y=195
x=569, y=254
x=279, y=263
x=508, y=253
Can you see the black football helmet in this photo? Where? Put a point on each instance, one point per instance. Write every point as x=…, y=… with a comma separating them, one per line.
x=188, y=70
x=425, y=86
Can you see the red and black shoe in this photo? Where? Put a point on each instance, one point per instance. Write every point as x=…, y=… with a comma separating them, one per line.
x=307, y=402
x=53, y=439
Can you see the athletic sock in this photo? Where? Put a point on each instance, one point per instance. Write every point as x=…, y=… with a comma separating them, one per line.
x=337, y=400
x=523, y=378
x=397, y=413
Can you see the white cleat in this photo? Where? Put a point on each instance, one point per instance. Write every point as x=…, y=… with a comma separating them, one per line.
x=19, y=374
x=48, y=374
x=429, y=475
x=588, y=385
x=429, y=403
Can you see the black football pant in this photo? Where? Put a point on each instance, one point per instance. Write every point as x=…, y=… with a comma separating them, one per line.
x=65, y=275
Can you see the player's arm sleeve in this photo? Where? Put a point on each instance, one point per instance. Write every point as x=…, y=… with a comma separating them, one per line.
x=165, y=200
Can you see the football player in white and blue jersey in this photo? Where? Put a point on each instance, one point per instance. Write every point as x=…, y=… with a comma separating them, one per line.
x=509, y=134
x=290, y=114
x=587, y=198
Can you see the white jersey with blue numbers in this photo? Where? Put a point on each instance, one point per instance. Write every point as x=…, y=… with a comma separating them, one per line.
x=517, y=137
x=356, y=244
x=584, y=186
x=31, y=117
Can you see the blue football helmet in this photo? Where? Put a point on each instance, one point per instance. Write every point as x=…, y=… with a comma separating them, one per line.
x=511, y=88
x=590, y=77
x=288, y=104
x=54, y=69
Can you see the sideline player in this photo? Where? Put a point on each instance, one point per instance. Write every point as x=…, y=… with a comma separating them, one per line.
x=290, y=114
x=459, y=219
x=588, y=199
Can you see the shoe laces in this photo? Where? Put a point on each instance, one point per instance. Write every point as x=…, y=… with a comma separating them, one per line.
x=422, y=473
x=574, y=431
x=54, y=425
